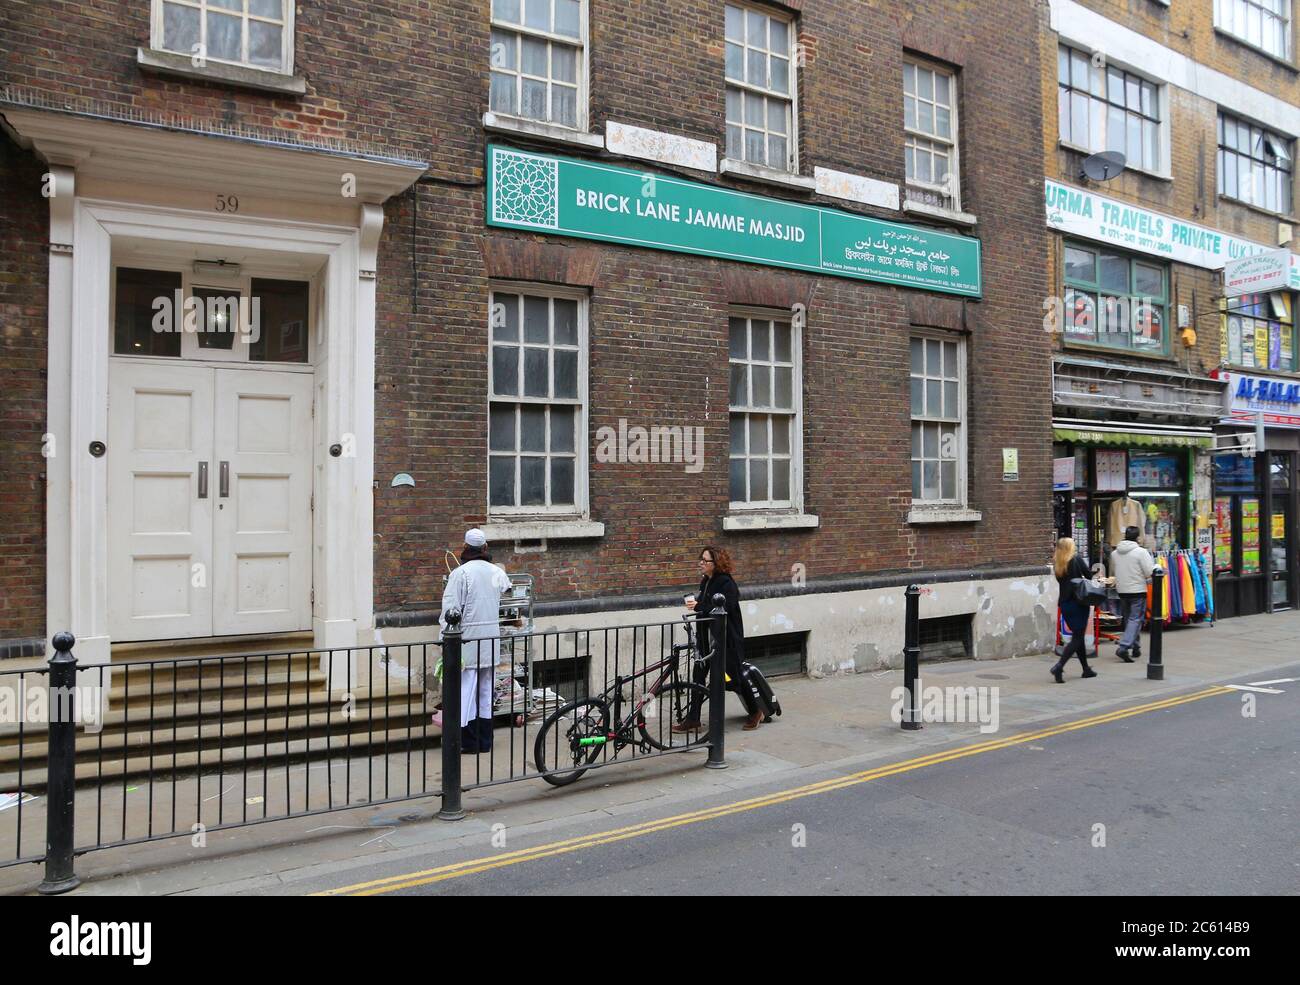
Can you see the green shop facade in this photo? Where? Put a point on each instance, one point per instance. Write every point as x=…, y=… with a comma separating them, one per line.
x=1099, y=468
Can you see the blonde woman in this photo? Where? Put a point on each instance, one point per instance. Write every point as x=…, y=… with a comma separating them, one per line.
x=1067, y=565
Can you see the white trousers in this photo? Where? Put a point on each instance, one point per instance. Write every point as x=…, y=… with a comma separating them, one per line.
x=475, y=694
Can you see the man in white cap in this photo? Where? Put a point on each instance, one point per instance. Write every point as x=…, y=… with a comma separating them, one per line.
x=475, y=588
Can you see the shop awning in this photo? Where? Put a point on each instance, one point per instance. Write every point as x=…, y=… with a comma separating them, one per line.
x=1109, y=435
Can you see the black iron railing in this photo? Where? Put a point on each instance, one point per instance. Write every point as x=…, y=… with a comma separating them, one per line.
x=142, y=750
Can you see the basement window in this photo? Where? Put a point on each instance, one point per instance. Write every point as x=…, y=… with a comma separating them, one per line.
x=946, y=638
x=566, y=676
x=778, y=656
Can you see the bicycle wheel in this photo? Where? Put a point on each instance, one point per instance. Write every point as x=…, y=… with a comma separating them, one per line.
x=672, y=707
x=572, y=737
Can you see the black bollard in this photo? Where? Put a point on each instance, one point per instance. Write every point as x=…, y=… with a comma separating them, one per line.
x=912, y=656
x=451, y=666
x=717, y=683
x=1155, y=666
x=61, y=770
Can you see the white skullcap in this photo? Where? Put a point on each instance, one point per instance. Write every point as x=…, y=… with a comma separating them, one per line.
x=475, y=537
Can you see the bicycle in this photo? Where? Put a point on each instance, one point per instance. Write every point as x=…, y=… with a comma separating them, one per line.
x=581, y=730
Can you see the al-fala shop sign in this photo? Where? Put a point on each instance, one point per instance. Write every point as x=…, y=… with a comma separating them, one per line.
x=1277, y=400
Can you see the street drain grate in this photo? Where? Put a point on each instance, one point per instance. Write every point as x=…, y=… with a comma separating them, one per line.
x=993, y=677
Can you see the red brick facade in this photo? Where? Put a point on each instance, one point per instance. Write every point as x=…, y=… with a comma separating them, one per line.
x=412, y=78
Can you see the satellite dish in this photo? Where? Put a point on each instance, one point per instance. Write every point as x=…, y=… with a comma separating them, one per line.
x=1103, y=166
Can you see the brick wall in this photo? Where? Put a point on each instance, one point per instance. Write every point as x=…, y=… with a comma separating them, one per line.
x=24, y=279
x=658, y=321
x=412, y=78
x=1187, y=28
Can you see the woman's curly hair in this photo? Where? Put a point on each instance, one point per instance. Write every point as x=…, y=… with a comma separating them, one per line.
x=721, y=558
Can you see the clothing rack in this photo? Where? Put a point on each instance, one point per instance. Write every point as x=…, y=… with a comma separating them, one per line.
x=1188, y=587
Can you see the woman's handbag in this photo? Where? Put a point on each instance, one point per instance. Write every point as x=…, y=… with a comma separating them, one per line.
x=1088, y=591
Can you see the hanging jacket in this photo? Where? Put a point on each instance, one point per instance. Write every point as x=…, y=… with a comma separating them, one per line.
x=1173, y=580
x=1168, y=590
x=1123, y=513
x=1198, y=587
x=1168, y=610
x=1207, y=585
x=1189, y=586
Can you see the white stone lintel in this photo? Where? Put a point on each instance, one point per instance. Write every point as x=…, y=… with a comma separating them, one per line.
x=856, y=188
x=665, y=148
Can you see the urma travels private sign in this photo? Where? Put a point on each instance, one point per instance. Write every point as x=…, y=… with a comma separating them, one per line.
x=593, y=200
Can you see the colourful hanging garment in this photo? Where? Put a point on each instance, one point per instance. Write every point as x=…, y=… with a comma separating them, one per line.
x=1189, y=586
x=1181, y=605
x=1198, y=587
x=1207, y=580
x=1168, y=590
x=1174, y=580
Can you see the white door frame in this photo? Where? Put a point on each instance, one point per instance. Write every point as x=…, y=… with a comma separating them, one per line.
x=79, y=344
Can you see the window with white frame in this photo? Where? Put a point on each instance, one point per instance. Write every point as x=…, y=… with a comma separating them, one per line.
x=1102, y=107
x=760, y=88
x=764, y=404
x=252, y=33
x=930, y=127
x=938, y=416
x=536, y=385
x=536, y=57
x=1262, y=24
x=1254, y=165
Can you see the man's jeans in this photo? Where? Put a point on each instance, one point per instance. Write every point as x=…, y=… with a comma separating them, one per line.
x=1133, y=610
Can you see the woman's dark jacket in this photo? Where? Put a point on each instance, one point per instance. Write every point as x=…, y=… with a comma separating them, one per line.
x=722, y=584
x=1071, y=609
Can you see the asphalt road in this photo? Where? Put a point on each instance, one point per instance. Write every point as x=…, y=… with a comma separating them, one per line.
x=1193, y=798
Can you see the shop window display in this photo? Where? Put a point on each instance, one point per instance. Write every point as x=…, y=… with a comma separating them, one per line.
x=1250, y=563
x=1155, y=480
x=1223, y=534
x=1162, y=523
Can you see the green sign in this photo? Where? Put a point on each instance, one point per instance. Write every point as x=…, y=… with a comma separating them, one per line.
x=592, y=200
x=1130, y=438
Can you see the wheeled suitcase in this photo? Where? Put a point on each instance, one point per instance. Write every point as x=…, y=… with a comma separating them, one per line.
x=761, y=690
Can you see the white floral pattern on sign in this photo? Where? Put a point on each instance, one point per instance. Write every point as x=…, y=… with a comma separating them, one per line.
x=526, y=190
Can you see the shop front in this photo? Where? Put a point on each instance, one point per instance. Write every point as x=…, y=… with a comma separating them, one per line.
x=1112, y=477
x=1256, y=506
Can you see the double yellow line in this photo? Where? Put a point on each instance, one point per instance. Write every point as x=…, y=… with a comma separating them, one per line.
x=456, y=870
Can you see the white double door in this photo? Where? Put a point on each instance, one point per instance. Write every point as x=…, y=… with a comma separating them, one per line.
x=209, y=499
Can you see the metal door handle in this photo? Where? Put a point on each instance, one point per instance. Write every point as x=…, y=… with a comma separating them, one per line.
x=224, y=479
x=203, y=480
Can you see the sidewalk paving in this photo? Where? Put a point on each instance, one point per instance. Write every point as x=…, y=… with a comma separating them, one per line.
x=829, y=726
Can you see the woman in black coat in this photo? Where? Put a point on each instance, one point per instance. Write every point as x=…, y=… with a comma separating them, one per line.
x=716, y=579
x=1067, y=565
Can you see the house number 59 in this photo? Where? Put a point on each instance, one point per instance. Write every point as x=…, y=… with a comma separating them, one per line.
x=227, y=203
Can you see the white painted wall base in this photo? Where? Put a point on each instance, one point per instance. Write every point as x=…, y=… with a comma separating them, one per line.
x=848, y=632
